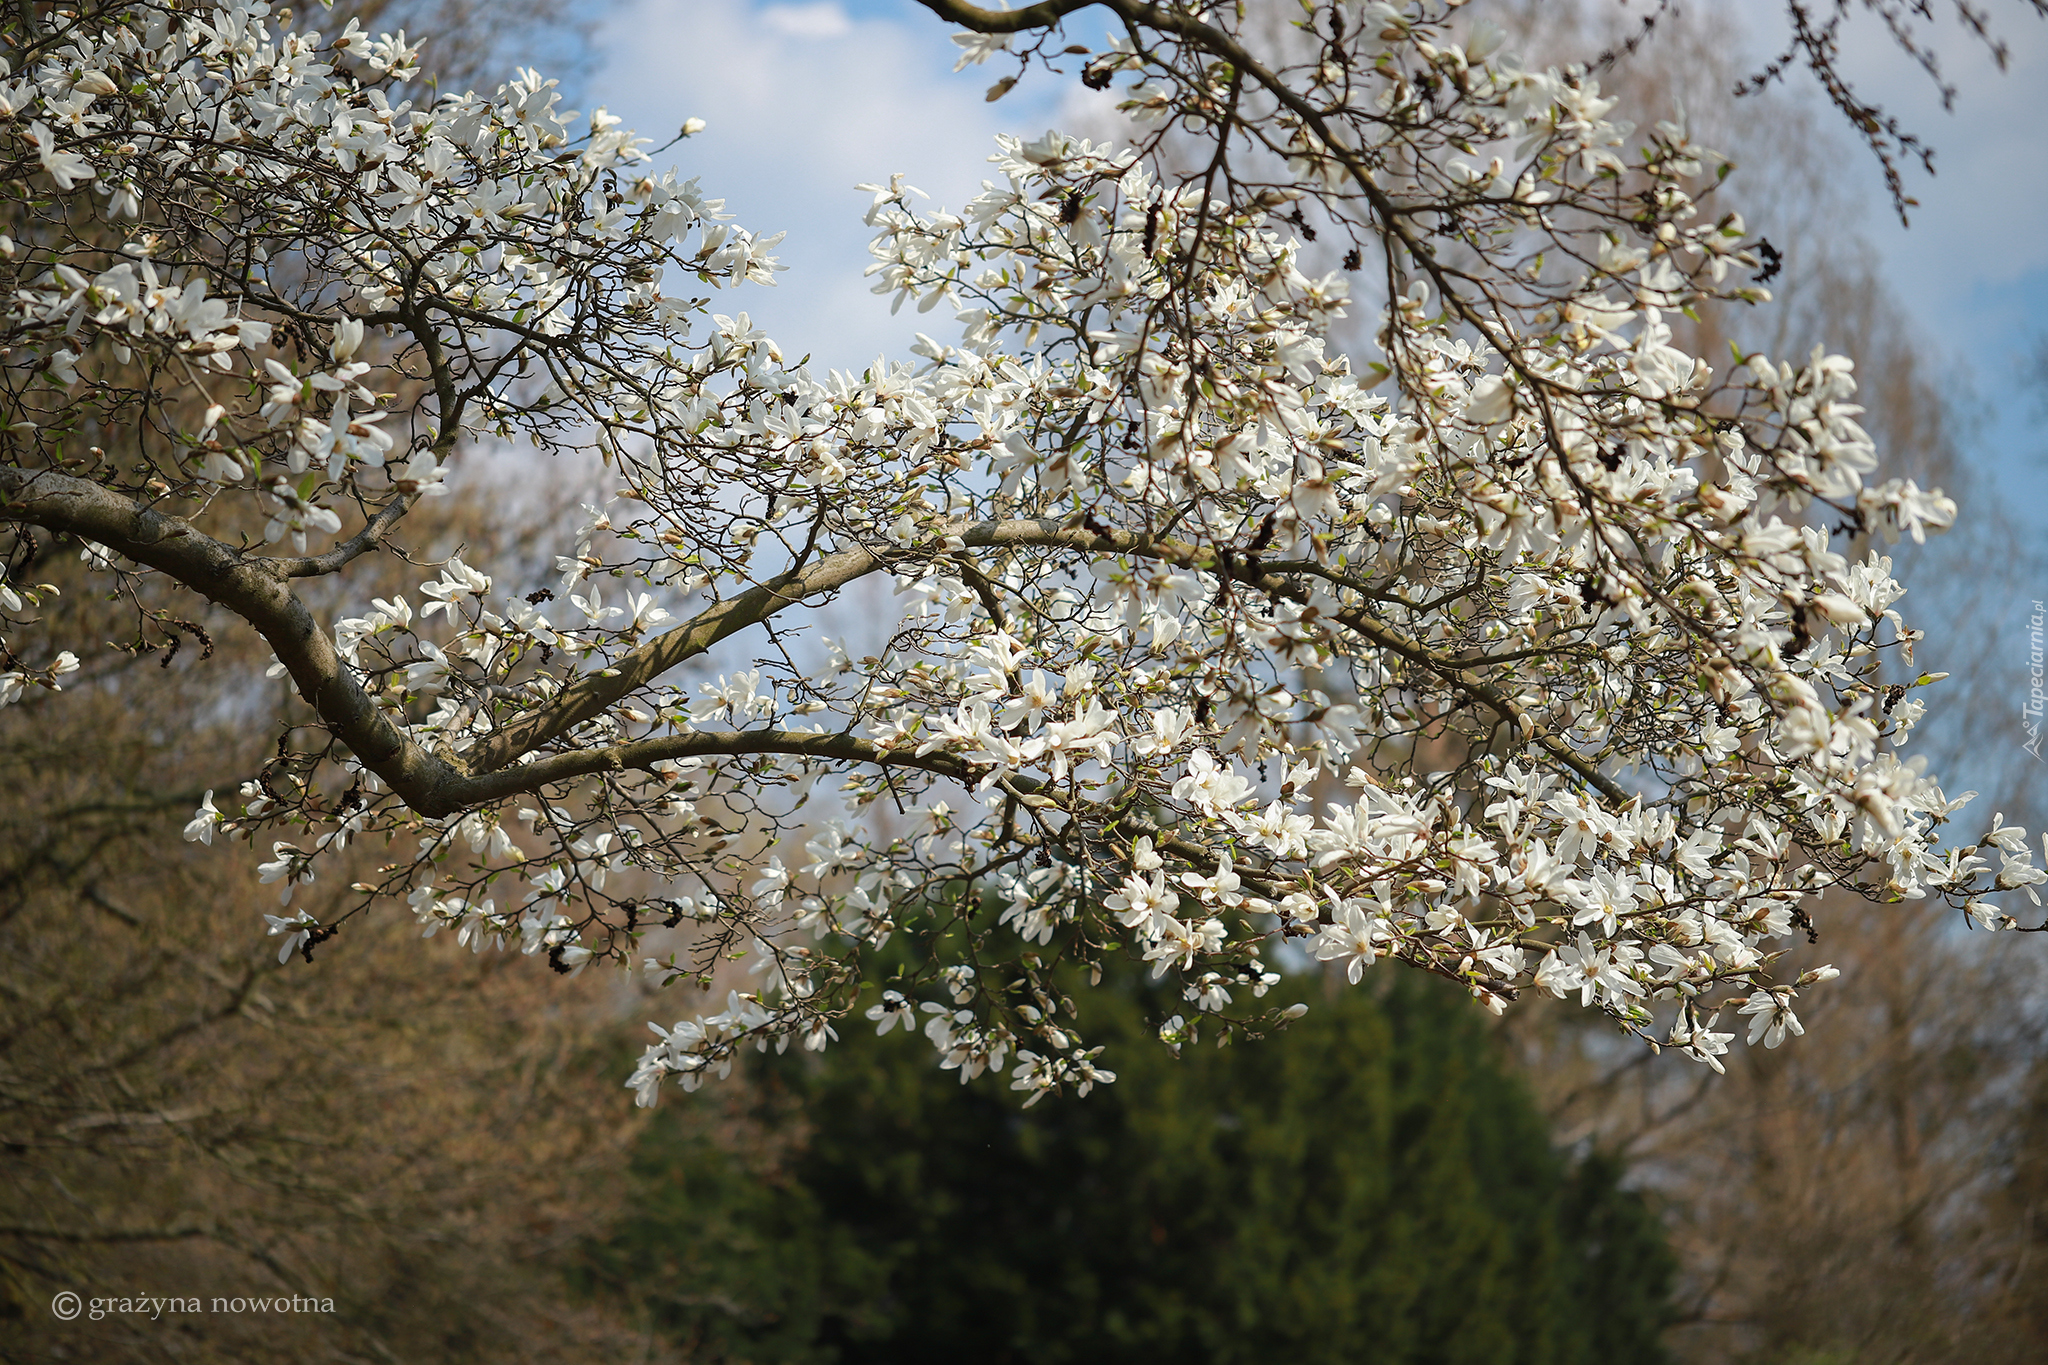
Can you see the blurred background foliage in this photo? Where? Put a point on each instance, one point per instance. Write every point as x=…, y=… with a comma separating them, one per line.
x=438, y=1140
x=418, y=1135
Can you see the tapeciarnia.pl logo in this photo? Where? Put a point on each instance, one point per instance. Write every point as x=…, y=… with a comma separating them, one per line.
x=2037, y=679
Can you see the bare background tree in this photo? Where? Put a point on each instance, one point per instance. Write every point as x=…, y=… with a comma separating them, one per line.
x=421, y=1140
x=1877, y=1196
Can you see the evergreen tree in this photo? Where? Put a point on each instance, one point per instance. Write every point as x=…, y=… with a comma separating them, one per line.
x=1379, y=1190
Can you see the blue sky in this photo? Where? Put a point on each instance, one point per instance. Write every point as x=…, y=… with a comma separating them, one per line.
x=1973, y=267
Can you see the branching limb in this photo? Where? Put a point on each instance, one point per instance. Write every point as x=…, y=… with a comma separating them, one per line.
x=362, y=542
x=254, y=591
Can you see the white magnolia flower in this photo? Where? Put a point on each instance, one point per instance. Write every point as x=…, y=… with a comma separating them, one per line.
x=1771, y=1018
x=201, y=826
x=457, y=585
x=296, y=930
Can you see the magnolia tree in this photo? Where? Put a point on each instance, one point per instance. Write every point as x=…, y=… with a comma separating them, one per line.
x=1515, y=648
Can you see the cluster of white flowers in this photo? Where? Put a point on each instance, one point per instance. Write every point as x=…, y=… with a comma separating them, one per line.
x=1519, y=654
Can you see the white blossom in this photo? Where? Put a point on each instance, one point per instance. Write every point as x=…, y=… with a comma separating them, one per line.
x=1166, y=558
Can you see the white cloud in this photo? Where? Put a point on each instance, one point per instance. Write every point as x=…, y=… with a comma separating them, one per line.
x=792, y=124
x=824, y=20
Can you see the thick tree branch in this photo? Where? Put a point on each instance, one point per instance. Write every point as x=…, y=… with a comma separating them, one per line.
x=257, y=592
x=642, y=753
x=591, y=695
x=1044, y=14
x=255, y=589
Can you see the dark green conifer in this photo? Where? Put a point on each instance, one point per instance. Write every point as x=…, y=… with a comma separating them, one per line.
x=1372, y=1189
